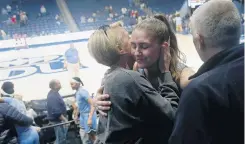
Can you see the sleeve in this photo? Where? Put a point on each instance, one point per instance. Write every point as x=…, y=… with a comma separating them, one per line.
x=189, y=124
x=163, y=104
x=7, y=99
x=84, y=94
x=168, y=89
x=17, y=117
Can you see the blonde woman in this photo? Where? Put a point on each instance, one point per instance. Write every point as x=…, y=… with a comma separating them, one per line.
x=137, y=108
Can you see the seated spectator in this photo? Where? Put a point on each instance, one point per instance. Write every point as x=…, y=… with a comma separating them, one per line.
x=94, y=14
x=9, y=9
x=83, y=19
x=90, y=20
x=57, y=18
x=111, y=15
x=124, y=11
x=10, y=116
x=57, y=111
x=142, y=6
x=43, y=10
x=4, y=11
x=3, y=34
x=13, y=19
x=23, y=18
x=26, y=134
x=110, y=9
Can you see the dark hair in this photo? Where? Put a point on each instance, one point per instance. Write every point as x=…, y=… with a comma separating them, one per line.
x=8, y=87
x=160, y=29
x=79, y=80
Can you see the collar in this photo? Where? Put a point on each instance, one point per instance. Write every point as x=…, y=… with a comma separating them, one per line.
x=221, y=58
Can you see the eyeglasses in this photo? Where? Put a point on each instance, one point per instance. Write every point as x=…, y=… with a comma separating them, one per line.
x=104, y=28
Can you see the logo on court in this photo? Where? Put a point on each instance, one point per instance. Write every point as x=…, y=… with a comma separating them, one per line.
x=24, y=67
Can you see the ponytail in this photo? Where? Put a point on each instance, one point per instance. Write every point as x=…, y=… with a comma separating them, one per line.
x=174, y=49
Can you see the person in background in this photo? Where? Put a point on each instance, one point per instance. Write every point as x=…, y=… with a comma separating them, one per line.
x=72, y=61
x=85, y=109
x=9, y=9
x=10, y=116
x=43, y=10
x=13, y=19
x=26, y=134
x=211, y=108
x=57, y=111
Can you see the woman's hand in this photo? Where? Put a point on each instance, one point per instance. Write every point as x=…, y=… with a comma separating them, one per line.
x=100, y=102
x=165, y=58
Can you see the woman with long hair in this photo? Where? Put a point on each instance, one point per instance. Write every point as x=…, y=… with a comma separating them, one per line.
x=137, y=108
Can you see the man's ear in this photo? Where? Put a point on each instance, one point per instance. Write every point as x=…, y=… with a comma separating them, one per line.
x=200, y=40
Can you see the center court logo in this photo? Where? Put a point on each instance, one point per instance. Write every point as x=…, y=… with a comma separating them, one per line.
x=24, y=67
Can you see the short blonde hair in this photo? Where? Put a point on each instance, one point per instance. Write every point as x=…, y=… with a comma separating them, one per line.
x=105, y=45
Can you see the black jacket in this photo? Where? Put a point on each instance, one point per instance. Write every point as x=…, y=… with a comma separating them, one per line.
x=8, y=117
x=139, y=114
x=211, y=108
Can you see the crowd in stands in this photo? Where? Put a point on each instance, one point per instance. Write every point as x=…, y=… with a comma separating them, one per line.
x=148, y=95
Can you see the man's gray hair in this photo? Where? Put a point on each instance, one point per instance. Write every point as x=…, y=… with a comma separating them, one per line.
x=52, y=84
x=218, y=22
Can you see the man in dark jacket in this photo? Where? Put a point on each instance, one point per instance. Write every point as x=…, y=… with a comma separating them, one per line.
x=8, y=117
x=57, y=111
x=211, y=108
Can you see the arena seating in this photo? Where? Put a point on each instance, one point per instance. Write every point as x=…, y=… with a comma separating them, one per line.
x=36, y=25
x=88, y=7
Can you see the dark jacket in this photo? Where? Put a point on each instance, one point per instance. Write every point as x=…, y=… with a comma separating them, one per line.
x=8, y=117
x=211, y=109
x=139, y=114
x=55, y=106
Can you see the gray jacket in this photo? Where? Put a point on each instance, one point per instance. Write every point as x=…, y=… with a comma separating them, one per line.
x=139, y=113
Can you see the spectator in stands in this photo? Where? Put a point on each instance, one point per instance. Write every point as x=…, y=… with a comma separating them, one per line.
x=124, y=11
x=137, y=108
x=10, y=116
x=13, y=19
x=110, y=9
x=72, y=61
x=94, y=15
x=83, y=19
x=23, y=18
x=26, y=134
x=3, y=35
x=142, y=6
x=43, y=11
x=4, y=11
x=58, y=19
x=57, y=111
x=9, y=9
x=211, y=109
x=85, y=109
